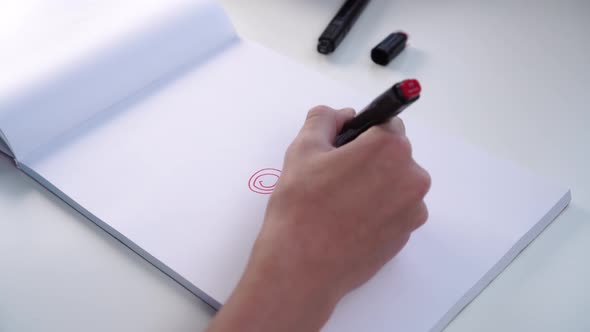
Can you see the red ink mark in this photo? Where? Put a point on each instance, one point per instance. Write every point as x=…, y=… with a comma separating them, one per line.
x=264, y=181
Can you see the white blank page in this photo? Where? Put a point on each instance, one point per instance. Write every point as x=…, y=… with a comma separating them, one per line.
x=168, y=172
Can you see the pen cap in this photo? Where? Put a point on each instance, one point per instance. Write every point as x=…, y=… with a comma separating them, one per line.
x=389, y=48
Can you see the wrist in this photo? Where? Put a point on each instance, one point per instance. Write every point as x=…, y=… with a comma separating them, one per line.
x=298, y=299
x=271, y=296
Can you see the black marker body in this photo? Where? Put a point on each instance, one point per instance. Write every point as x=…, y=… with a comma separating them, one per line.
x=340, y=25
x=389, y=104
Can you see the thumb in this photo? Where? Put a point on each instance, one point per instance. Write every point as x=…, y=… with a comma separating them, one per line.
x=323, y=124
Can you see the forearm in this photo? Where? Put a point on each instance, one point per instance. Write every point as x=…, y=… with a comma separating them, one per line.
x=270, y=300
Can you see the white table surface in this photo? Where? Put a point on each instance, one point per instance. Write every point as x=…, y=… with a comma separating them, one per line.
x=59, y=272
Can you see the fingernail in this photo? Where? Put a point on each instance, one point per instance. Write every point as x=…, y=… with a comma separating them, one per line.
x=348, y=111
x=398, y=125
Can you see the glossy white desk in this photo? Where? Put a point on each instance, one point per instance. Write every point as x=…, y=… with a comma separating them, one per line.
x=59, y=272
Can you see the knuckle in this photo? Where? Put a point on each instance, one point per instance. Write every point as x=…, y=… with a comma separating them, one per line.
x=421, y=216
x=422, y=182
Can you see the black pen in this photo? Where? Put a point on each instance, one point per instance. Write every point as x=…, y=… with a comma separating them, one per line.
x=340, y=25
x=389, y=104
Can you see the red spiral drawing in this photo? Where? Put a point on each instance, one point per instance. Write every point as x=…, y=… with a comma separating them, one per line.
x=264, y=181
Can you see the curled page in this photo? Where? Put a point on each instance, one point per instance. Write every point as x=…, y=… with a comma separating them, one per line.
x=57, y=75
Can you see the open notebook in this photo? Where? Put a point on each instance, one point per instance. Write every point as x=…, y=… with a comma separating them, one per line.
x=162, y=126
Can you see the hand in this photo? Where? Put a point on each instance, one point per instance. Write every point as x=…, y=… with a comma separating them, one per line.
x=335, y=218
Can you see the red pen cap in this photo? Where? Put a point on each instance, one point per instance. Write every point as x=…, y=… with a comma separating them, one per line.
x=410, y=89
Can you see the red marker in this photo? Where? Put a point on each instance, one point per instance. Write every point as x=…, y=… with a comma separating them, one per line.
x=389, y=104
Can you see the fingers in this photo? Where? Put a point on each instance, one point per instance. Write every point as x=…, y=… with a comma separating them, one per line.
x=396, y=125
x=389, y=137
x=396, y=234
x=322, y=125
x=415, y=212
x=416, y=217
x=343, y=116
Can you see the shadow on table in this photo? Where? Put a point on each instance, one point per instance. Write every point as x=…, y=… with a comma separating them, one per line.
x=570, y=228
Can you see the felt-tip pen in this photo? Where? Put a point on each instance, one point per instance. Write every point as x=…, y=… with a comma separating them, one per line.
x=340, y=25
x=389, y=104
